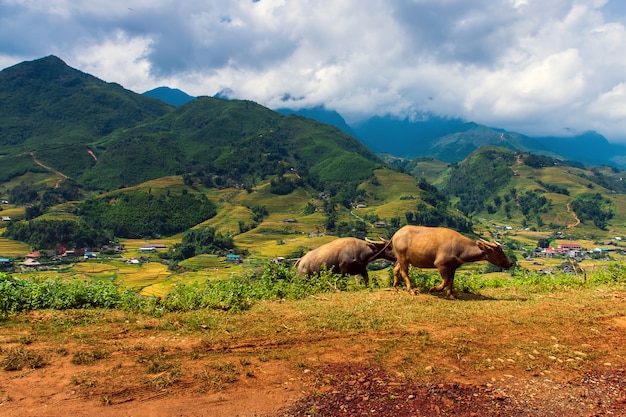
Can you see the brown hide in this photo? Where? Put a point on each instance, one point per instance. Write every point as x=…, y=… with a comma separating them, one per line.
x=441, y=248
x=346, y=255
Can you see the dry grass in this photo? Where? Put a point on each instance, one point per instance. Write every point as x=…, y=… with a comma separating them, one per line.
x=501, y=336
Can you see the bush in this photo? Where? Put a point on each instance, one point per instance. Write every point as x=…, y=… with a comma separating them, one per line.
x=37, y=293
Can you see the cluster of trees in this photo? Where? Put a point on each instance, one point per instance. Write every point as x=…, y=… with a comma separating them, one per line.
x=433, y=216
x=475, y=180
x=434, y=210
x=553, y=188
x=593, y=207
x=199, y=241
x=48, y=234
x=124, y=215
x=143, y=214
x=44, y=197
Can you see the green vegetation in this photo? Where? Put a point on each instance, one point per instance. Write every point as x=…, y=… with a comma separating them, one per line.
x=49, y=234
x=475, y=179
x=119, y=215
x=238, y=293
x=203, y=240
x=593, y=207
x=144, y=214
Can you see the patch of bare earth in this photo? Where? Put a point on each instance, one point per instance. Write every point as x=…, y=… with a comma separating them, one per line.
x=492, y=366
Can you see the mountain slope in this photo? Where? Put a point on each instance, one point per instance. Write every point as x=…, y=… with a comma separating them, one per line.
x=55, y=118
x=55, y=111
x=228, y=142
x=537, y=191
x=321, y=114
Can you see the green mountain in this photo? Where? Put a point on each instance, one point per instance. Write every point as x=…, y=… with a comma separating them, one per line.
x=456, y=146
x=172, y=96
x=229, y=143
x=55, y=118
x=54, y=112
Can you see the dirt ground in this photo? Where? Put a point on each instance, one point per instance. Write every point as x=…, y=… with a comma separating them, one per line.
x=139, y=369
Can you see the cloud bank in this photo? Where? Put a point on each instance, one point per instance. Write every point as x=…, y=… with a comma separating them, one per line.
x=531, y=66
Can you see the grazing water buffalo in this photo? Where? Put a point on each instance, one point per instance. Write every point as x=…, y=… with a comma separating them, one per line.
x=346, y=256
x=441, y=248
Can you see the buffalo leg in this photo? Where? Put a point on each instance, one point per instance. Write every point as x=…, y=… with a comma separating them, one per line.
x=366, y=277
x=447, y=280
x=401, y=269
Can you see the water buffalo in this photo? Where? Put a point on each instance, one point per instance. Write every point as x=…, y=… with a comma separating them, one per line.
x=441, y=248
x=347, y=256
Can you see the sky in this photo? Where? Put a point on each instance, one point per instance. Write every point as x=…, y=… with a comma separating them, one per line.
x=537, y=67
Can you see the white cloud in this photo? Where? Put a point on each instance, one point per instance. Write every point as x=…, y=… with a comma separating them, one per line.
x=527, y=65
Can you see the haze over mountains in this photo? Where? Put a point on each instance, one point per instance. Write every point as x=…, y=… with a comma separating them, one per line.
x=445, y=139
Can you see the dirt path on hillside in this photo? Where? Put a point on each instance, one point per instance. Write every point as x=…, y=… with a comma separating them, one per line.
x=41, y=164
x=577, y=220
x=159, y=367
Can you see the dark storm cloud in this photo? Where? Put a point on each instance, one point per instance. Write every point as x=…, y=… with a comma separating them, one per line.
x=457, y=31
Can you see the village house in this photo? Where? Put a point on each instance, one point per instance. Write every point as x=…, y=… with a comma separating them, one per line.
x=6, y=264
x=233, y=259
x=564, y=249
x=152, y=247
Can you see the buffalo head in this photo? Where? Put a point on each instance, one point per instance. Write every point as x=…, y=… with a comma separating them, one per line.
x=381, y=249
x=494, y=254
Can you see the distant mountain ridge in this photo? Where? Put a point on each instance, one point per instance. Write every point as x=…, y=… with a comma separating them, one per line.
x=172, y=96
x=452, y=140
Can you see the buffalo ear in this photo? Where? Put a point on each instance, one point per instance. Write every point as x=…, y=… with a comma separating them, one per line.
x=484, y=245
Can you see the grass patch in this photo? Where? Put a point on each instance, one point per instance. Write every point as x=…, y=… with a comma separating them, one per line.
x=217, y=376
x=88, y=358
x=19, y=357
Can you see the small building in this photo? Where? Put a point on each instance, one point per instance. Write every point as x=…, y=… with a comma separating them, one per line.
x=6, y=264
x=152, y=247
x=233, y=259
x=30, y=263
x=570, y=246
